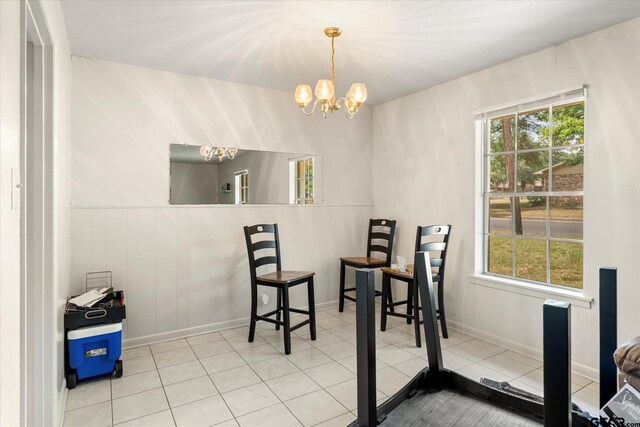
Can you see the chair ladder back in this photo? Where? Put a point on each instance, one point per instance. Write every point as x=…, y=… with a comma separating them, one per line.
x=381, y=235
x=252, y=247
x=442, y=247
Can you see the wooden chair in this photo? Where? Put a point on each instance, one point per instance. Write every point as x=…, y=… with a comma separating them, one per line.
x=437, y=269
x=389, y=228
x=281, y=280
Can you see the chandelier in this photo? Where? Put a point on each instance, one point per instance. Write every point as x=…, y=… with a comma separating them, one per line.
x=220, y=152
x=325, y=90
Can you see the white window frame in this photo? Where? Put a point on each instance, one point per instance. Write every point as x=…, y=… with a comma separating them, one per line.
x=482, y=276
x=294, y=178
x=241, y=197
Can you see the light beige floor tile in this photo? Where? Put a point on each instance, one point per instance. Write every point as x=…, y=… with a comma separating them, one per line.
x=511, y=368
x=190, y=391
x=234, y=332
x=222, y=362
x=338, y=350
x=475, y=350
x=135, y=384
x=174, y=357
x=347, y=333
x=392, y=355
x=341, y=421
x=293, y=385
x=204, y=338
x=523, y=359
x=168, y=346
x=203, y=413
x=410, y=347
x=297, y=344
x=331, y=323
x=594, y=386
x=411, y=367
x=315, y=408
x=535, y=379
x=258, y=354
x=329, y=374
x=455, y=338
x=580, y=380
x=138, y=405
x=241, y=341
x=132, y=353
x=347, y=394
x=309, y=358
x=389, y=381
x=159, y=419
x=274, y=416
x=182, y=372
x=235, y=378
x=453, y=361
x=230, y=423
x=351, y=363
x=588, y=400
x=138, y=365
x=250, y=399
x=477, y=371
x=95, y=415
x=87, y=394
x=274, y=368
x=211, y=349
x=526, y=387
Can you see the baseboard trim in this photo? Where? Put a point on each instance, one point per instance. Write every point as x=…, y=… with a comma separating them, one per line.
x=62, y=405
x=202, y=329
x=526, y=350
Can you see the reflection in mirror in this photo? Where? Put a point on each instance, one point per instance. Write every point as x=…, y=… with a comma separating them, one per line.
x=217, y=175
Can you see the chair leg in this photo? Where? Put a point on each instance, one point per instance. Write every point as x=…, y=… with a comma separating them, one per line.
x=443, y=319
x=341, y=298
x=254, y=311
x=286, y=320
x=416, y=314
x=409, y=302
x=386, y=285
x=390, y=298
x=312, y=308
x=279, y=307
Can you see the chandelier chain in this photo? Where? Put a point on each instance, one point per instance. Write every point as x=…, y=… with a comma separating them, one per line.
x=333, y=69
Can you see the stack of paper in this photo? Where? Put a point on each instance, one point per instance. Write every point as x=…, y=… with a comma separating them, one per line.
x=89, y=298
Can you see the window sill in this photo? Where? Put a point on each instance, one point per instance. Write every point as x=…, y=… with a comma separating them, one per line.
x=533, y=290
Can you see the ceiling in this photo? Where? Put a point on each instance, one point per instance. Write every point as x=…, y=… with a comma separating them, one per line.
x=394, y=47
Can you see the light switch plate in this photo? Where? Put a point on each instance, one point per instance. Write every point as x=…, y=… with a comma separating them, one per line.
x=16, y=189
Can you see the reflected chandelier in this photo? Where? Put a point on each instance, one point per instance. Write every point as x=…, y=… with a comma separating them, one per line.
x=220, y=152
x=325, y=90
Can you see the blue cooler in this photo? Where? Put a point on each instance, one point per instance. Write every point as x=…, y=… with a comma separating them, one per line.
x=94, y=350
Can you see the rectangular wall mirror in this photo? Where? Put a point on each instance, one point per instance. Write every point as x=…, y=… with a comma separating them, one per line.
x=227, y=176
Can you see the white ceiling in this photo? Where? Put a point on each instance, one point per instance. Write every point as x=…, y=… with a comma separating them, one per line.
x=395, y=47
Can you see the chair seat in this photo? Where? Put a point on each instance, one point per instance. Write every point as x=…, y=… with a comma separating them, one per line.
x=407, y=274
x=364, y=261
x=283, y=277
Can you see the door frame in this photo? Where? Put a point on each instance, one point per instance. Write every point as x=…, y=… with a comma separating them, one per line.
x=38, y=335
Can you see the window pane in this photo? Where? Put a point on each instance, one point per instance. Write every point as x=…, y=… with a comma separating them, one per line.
x=568, y=124
x=567, y=173
x=565, y=217
x=533, y=129
x=502, y=134
x=531, y=167
x=531, y=259
x=501, y=172
x=300, y=188
x=500, y=218
x=566, y=264
x=532, y=220
x=500, y=256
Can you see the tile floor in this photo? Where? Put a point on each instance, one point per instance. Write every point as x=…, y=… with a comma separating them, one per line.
x=219, y=379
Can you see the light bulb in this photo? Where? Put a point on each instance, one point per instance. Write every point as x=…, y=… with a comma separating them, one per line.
x=324, y=90
x=219, y=153
x=358, y=93
x=303, y=95
x=231, y=152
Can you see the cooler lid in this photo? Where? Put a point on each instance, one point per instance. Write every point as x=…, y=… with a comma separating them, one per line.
x=92, y=331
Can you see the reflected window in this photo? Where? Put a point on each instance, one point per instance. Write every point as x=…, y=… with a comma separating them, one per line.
x=533, y=193
x=241, y=187
x=301, y=173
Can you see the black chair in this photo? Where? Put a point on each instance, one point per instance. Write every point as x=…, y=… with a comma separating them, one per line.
x=437, y=269
x=388, y=227
x=281, y=280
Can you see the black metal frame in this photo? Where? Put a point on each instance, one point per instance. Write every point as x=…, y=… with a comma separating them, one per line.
x=370, y=248
x=282, y=306
x=608, y=333
x=434, y=377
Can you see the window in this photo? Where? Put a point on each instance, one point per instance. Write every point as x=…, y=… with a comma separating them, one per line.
x=533, y=158
x=242, y=187
x=301, y=180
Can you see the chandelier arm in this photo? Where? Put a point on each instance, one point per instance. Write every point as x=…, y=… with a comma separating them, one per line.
x=347, y=113
x=312, y=109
